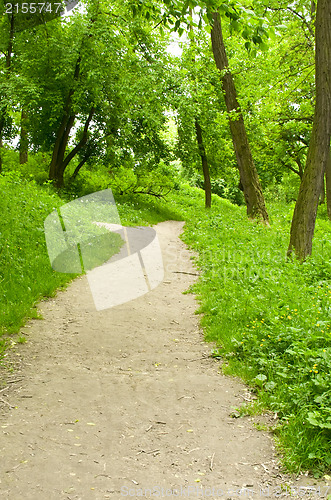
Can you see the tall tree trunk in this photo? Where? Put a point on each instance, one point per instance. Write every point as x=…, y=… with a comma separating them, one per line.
x=198, y=133
x=204, y=161
x=304, y=217
x=248, y=175
x=24, y=142
x=328, y=186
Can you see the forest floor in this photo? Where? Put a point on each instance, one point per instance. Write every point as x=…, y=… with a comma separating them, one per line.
x=127, y=402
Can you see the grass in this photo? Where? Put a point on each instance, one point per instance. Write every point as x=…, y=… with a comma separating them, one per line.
x=144, y=210
x=25, y=272
x=269, y=317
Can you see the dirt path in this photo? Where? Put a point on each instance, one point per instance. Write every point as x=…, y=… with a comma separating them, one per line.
x=125, y=402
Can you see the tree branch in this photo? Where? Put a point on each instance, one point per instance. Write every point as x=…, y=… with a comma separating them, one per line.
x=291, y=168
x=152, y=193
x=82, y=142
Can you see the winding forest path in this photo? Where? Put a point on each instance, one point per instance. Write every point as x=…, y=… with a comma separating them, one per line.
x=115, y=403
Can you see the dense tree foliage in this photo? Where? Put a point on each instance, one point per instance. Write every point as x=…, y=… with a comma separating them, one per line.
x=93, y=93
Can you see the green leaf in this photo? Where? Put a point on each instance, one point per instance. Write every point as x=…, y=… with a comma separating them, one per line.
x=224, y=7
x=205, y=18
x=257, y=39
x=316, y=419
x=272, y=34
x=235, y=25
x=269, y=386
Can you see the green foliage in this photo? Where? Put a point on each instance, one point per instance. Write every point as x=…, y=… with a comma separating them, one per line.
x=131, y=80
x=25, y=271
x=285, y=191
x=90, y=179
x=116, y=66
x=271, y=321
x=35, y=169
x=199, y=97
x=276, y=92
x=123, y=180
x=219, y=186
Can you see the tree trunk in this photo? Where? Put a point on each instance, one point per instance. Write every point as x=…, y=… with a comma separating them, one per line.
x=328, y=186
x=248, y=175
x=24, y=142
x=56, y=170
x=205, y=166
x=304, y=217
x=59, y=161
x=77, y=169
x=198, y=133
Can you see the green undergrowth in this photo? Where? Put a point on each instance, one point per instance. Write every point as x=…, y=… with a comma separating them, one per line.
x=146, y=210
x=25, y=271
x=270, y=319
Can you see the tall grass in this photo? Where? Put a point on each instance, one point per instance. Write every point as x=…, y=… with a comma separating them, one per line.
x=25, y=271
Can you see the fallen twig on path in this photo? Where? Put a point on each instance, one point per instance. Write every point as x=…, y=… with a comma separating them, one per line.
x=13, y=381
x=185, y=272
x=151, y=452
x=6, y=402
x=211, y=462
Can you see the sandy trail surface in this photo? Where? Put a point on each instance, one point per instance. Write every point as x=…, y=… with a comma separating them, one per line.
x=127, y=403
